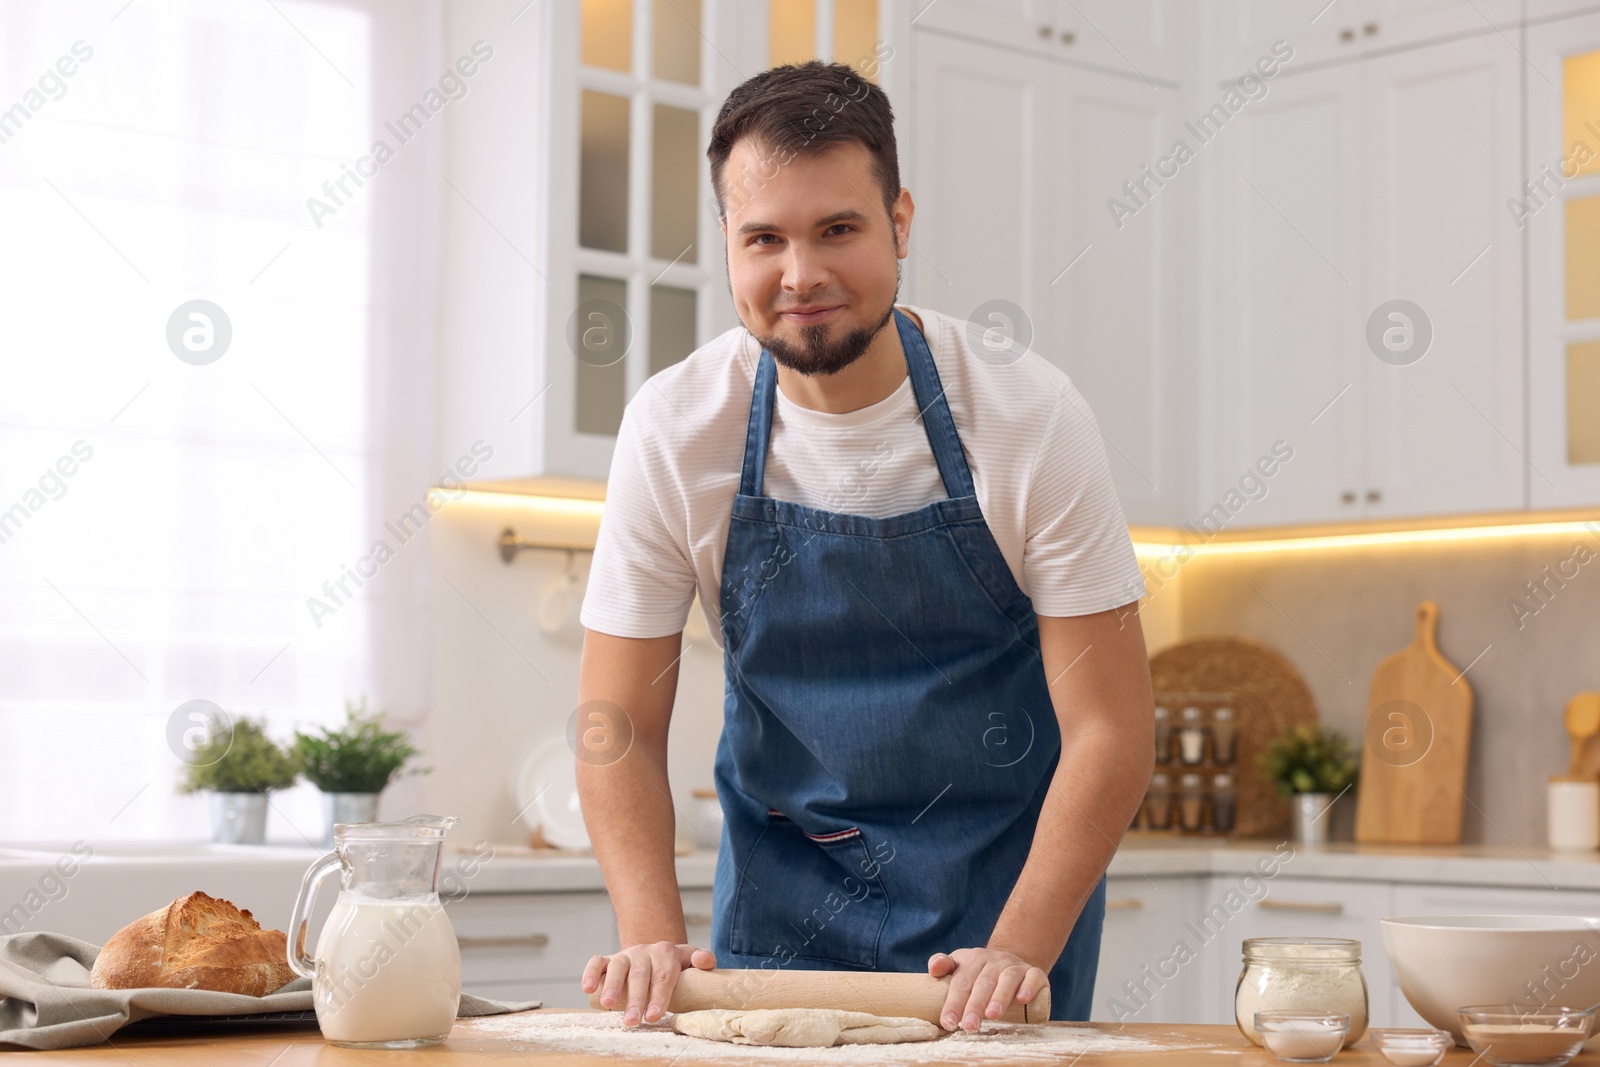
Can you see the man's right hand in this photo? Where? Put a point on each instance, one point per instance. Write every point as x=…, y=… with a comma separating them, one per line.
x=645, y=975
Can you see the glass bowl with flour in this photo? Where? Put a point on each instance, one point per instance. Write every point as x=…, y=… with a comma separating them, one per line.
x=1301, y=974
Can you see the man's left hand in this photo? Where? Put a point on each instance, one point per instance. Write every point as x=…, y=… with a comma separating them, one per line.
x=983, y=983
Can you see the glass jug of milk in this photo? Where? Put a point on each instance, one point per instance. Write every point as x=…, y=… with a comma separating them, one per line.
x=387, y=969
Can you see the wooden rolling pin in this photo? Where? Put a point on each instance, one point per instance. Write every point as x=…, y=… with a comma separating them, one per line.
x=909, y=994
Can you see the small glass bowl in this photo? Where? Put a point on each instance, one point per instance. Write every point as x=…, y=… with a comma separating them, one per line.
x=1509, y=1035
x=1303, y=1036
x=1411, y=1047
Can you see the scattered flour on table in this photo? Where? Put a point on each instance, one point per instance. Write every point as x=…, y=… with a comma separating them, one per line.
x=602, y=1034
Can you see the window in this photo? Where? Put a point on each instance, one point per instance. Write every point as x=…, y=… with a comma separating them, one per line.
x=180, y=480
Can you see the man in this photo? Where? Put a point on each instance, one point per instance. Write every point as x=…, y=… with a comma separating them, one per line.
x=937, y=722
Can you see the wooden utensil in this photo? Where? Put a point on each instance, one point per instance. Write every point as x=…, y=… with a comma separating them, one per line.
x=1419, y=731
x=1583, y=723
x=910, y=994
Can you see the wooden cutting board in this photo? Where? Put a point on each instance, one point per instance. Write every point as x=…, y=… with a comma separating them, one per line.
x=1418, y=735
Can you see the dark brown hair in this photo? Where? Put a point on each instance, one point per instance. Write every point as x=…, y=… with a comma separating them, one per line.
x=806, y=108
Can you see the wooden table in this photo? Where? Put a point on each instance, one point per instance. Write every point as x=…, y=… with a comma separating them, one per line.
x=469, y=1049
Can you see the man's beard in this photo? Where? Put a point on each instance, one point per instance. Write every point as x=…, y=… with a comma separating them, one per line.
x=816, y=356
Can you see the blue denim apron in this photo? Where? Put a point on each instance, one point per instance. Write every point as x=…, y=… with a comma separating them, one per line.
x=888, y=734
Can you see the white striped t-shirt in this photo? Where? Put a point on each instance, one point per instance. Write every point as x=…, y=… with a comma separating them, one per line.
x=1038, y=466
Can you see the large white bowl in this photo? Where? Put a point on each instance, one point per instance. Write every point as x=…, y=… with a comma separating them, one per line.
x=1445, y=962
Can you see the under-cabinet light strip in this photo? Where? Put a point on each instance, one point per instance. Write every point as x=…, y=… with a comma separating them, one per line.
x=1148, y=542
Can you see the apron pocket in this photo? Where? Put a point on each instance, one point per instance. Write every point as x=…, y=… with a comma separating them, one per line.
x=809, y=897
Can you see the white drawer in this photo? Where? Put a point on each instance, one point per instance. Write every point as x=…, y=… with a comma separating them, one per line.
x=520, y=937
x=1488, y=900
x=1137, y=979
x=1482, y=900
x=1307, y=907
x=697, y=916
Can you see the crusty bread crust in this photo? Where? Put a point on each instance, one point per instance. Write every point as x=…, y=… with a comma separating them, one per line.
x=196, y=942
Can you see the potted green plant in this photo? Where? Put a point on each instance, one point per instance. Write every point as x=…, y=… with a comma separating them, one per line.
x=1312, y=765
x=354, y=763
x=239, y=764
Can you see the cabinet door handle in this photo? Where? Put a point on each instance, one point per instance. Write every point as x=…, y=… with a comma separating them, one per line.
x=1347, y=35
x=1301, y=905
x=1068, y=37
x=1045, y=32
x=1370, y=29
x=524, y=941
x=1125, y=904
x=1373, y=496
x=1347, y=497
x=696, y=919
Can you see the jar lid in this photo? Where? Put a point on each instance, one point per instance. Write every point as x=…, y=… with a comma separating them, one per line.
x=1191, y=714
x=1303, y=949
x=1163, y=712
x=1223, y=713
x=1584, y=778
x=1190, y=781
x=1222, y=781
x=1159, y=781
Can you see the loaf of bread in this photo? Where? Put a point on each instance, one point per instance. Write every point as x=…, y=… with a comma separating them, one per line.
x=196, y=942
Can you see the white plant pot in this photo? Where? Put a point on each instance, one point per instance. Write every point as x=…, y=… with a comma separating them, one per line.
x=239, y=818
x=346, y=807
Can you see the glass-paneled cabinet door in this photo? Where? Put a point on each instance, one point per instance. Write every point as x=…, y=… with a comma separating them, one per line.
x=1559, y=207
x=839, y=31
x=632, y=221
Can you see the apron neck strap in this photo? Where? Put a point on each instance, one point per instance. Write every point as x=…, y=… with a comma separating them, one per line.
x=937, y=421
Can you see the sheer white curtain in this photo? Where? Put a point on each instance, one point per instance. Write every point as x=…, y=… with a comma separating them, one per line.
x=164, y=520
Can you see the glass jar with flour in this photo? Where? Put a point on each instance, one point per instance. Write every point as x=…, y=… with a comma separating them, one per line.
x=1301, y=973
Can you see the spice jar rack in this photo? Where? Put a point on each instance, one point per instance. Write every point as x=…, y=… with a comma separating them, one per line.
x=1267, y=696
x=1193, y=789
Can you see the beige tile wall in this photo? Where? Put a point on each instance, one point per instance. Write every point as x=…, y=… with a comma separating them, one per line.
x=1335, y=614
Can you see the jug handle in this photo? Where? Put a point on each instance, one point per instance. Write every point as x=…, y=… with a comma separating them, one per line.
x=301, y=963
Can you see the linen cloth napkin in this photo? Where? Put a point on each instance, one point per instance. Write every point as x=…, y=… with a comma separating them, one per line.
x=46, y=1002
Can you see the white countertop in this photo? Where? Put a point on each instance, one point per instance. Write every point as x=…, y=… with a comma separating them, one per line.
x=123, y=881
x=514, y=870
x=1525, y=867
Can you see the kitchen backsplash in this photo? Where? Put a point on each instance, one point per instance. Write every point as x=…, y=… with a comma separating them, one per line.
x=503, y=684
x=1336, y=613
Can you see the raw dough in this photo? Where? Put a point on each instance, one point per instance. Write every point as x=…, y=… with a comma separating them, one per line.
x=802, y=1027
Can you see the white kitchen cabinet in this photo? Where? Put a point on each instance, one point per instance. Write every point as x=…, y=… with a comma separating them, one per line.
x=1027, y=26
x=531, y=945
x=1137, y=37
x=1314, y=907
x=1445, y=433
x=1289, y=251
x=1541, y=10
x=1563, y=343
x=1021, y=236
x=1140, y=979
x=1412, y=899
x=534, y=946
x=1332, y=31
x=697, y=916
x=1344, y=188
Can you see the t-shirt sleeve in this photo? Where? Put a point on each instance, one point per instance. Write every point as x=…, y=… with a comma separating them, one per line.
x=641, y=583
x=1078, y=558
